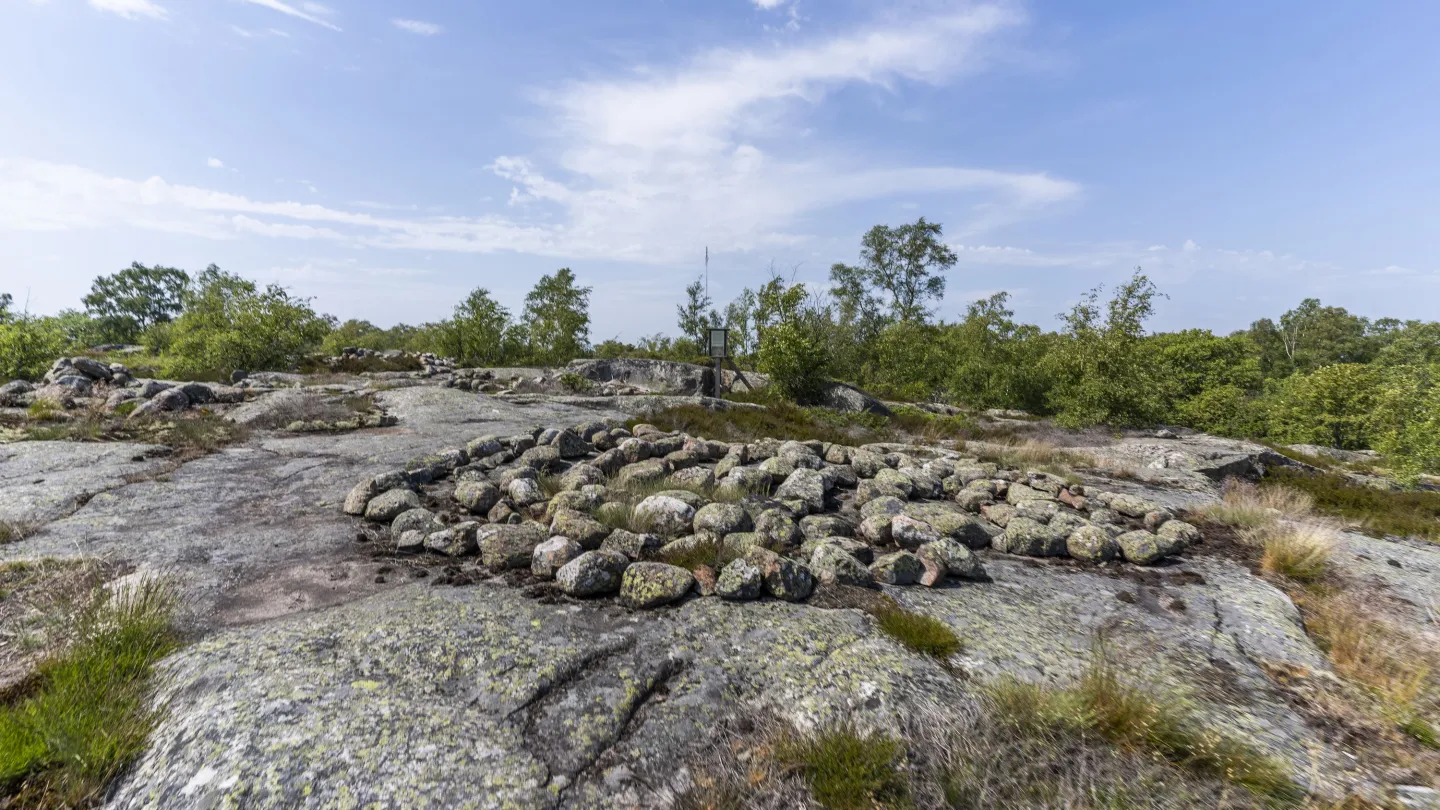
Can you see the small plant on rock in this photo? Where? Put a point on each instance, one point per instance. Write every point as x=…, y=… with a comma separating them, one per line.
x=850, y=771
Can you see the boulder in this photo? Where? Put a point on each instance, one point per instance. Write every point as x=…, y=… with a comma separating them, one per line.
x=666, y=515
x=721, y=519
x=806, y=486
x=594, y=573
x=875, y=529
x=778, y=528
x=656, y=376
x=783, y=578
x=910, y=534
x=580, y=527
x=552, y=555
x=1178, y=535
x=510, y=545
x=647, y=585
x=1030, y=538
x=957, y=560
x=832, y=564
x=541, y=458
x=630, y=544
x=1092, y=544
x=478, y=497
x=421, y=520
x=740, y=581
x=900, y=568
x=570, y=445
x=1141, y=547
x=457, y=541
x=387, y=506
x=818, y=526
x=848, y=399
x=642, y=473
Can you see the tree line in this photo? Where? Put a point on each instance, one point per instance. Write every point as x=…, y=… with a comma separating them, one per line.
x=1315, y=374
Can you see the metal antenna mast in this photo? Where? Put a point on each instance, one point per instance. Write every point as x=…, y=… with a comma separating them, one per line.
x=707, y=272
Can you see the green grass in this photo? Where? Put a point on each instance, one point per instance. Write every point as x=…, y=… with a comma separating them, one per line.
x=1103, y=704
x=44, y=410
x=1379, y=512
x=708, y=553
x=848, y=771
x=920, y=633
x=622, y=515
x=88, y=714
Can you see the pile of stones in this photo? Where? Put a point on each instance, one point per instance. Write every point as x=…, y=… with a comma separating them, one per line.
x=75, y=382
x=599, y=509
x=485, y=381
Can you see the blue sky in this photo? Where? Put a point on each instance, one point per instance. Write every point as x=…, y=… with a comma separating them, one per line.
x=386, y=157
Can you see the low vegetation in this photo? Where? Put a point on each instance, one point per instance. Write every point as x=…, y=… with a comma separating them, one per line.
x=921, y=633
x=1103, y=704
x=847, y=770
x=87, y=714
x=1375, y=511
x=1246, y=506
x=1298, y=551
x=190, y=432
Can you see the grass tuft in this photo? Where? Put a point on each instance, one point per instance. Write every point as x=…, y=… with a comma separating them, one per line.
x=1102, y=703
x=1246, y=506
x=88, y=715
x=923, y=634
x=1298, y=551
x=849, y=771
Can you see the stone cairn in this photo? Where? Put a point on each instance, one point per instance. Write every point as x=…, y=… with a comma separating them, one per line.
x=74, y=382
x=600, y=510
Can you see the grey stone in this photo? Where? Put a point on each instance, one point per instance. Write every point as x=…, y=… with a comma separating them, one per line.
x=666, y=515
x=479, y=497
x=832, y=564
x=1092, y=544
x=900, y=568
x=552, y=555
x=594, y=573
x=722, y=518
x=386, y=506
x=648, y=585
x=739, y=581
x=959, y=562
x=509, y=546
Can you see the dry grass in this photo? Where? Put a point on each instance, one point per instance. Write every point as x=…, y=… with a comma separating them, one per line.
x=1376, y=511
x=1297, y=551
x=13, y=531
x=1246, y=506
x=1034, y=454
x=1378, y=654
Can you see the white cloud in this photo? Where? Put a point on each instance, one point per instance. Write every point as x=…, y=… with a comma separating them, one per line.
x=215, y=163
x=768, y=4
x=424, y=29
x=1190, y=246
x=130, y=9
x=644, y=168
x=312, y=11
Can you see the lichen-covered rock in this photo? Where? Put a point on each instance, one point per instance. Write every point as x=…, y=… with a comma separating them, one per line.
x=972, y=500
x=421, y=520
x=635, y=450
x=457, y=541
x=1066, y=522
x=387, y=506
x=478, y=497
x=647, y=585
x=870, y=490
x=1106, y=517
x=541, y=458
x=585, y=500
x=818, y=526
x=569, y=445
x=832, y=564
x=783, y=577
x=747, y=481
x=740, y=544
x=805, y=485
x=594, y=573
x=1092, y=544
x=525, y=491
x=1030, y=538
x=1019, y=493
x=1179, y=535
x=739, y=581
x=867, y=464
x=894, y=478
x=967, y=529
x=552, y=555
x=1000, y=514
x=1038, y=510
x=483, y=447
x=858, y=549
x=510, y=545
x=900, y=568
x=875, y=529
x=580, y=527
x=631, y=544
x=1141, y=547
x=778, y=528
x=923, y=484
x=666, y=515
x=910, y=534
x=888, y=505
x=642, y=473
x=581, y=475
x=364, y=491
x=721, y=519
x=410, y=542
x=696, y=477
x=959, y=561
x=1128, y=505
x=1157, y=518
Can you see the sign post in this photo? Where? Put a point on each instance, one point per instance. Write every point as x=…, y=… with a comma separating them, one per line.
x=719, y=349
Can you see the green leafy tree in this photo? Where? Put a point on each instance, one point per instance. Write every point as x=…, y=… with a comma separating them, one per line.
x=740, y=318
x=697, y=316
x=1332, y=406
x=230, y=324
x=556, y=321
x=908, y=361
x=792, y=349
x=479, y=330
x=1310, y=336
x=901, y=269
x=1102, y=372
x=6, y=302
x=1413, y=342
x=29, y=344
x=354, y=334
x=993, y=361
x=1406, y=422
x=136, y=298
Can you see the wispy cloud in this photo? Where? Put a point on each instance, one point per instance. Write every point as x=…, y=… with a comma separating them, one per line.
x=215, y=163
x=309, y=12
x=420, y=27
x=131, y=9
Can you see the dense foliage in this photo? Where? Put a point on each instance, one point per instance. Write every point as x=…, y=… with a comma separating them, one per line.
x=1314, y=374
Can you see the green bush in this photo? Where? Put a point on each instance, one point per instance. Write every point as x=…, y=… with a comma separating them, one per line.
x=1332, y=406
x=230, y=324
x=28, y=345
x=850, y=771
x=792, y=350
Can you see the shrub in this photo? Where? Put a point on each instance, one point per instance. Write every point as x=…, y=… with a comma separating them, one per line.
x=1333, y=406
x=792, y=350
x=1377, y=511
x=1244, y=505
x=1298, y=551
x=28, y=345
x=229, y=324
